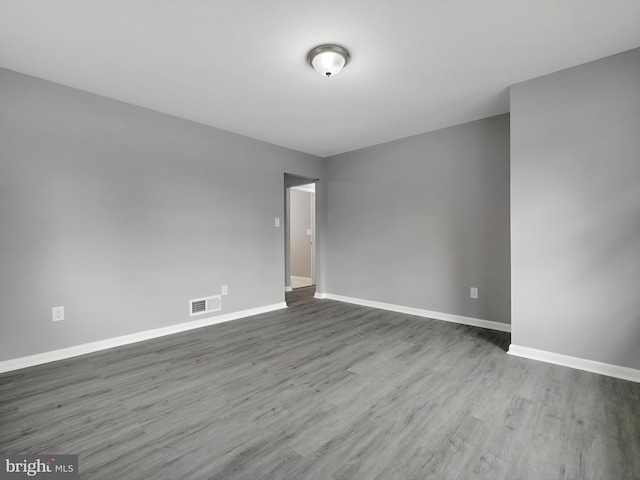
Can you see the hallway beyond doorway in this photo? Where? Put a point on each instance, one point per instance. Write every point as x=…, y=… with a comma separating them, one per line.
x=299, y=282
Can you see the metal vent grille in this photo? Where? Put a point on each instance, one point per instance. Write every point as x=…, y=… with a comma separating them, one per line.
x=198, y=306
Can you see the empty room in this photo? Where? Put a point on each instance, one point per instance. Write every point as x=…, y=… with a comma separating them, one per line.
x=345, y=240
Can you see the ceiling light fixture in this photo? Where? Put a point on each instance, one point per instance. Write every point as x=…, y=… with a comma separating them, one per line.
x=328, y=60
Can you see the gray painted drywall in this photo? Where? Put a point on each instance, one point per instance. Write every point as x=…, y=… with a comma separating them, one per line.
x=301, y=245
x=321, y=237
x=122, y=215
x=575, y=211
x=418, y=221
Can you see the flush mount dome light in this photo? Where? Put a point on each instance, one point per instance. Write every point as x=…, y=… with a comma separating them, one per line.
x=328, y=60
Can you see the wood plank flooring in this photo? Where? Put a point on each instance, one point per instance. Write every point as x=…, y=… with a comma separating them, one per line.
x=324, y=390
x=301, y=293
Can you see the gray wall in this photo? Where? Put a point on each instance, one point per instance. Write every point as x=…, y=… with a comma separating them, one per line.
x=575, y=211
x=418, y=221
x=122, y=214
x=301, y=205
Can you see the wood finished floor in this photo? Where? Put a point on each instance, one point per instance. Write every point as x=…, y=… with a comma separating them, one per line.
x=324, y=390
x=300, y=293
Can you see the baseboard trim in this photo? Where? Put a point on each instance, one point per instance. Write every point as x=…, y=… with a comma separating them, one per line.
x=617, y=371
x=288, y=288
x=447, y=317
x=320, y=295
x=69, y=352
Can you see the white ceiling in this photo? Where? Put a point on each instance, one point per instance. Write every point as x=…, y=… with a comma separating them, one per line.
x=416, y=65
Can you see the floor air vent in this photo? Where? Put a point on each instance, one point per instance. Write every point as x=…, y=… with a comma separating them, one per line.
x=198, y=306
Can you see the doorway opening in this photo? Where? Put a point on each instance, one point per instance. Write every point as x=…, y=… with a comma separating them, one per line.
x=300, y=233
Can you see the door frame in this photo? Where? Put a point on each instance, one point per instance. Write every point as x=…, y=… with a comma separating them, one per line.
x=290, y=181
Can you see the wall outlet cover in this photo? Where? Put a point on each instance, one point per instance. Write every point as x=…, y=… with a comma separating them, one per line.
x=57, y=313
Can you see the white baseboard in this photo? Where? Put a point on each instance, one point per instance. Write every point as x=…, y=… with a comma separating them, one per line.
x=64, y=353
x=592, y=366
x=320, y=295
x=288, y=288
x=447, y=317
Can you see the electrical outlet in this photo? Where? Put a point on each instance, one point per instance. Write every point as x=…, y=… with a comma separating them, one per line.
x=225, y=290
x=474, y=292
x=277, y=222
x=57, y=313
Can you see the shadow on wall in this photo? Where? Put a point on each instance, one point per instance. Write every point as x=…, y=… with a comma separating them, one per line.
x=597, y=259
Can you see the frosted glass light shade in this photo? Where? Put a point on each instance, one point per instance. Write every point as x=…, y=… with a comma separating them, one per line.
x=328, y=60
